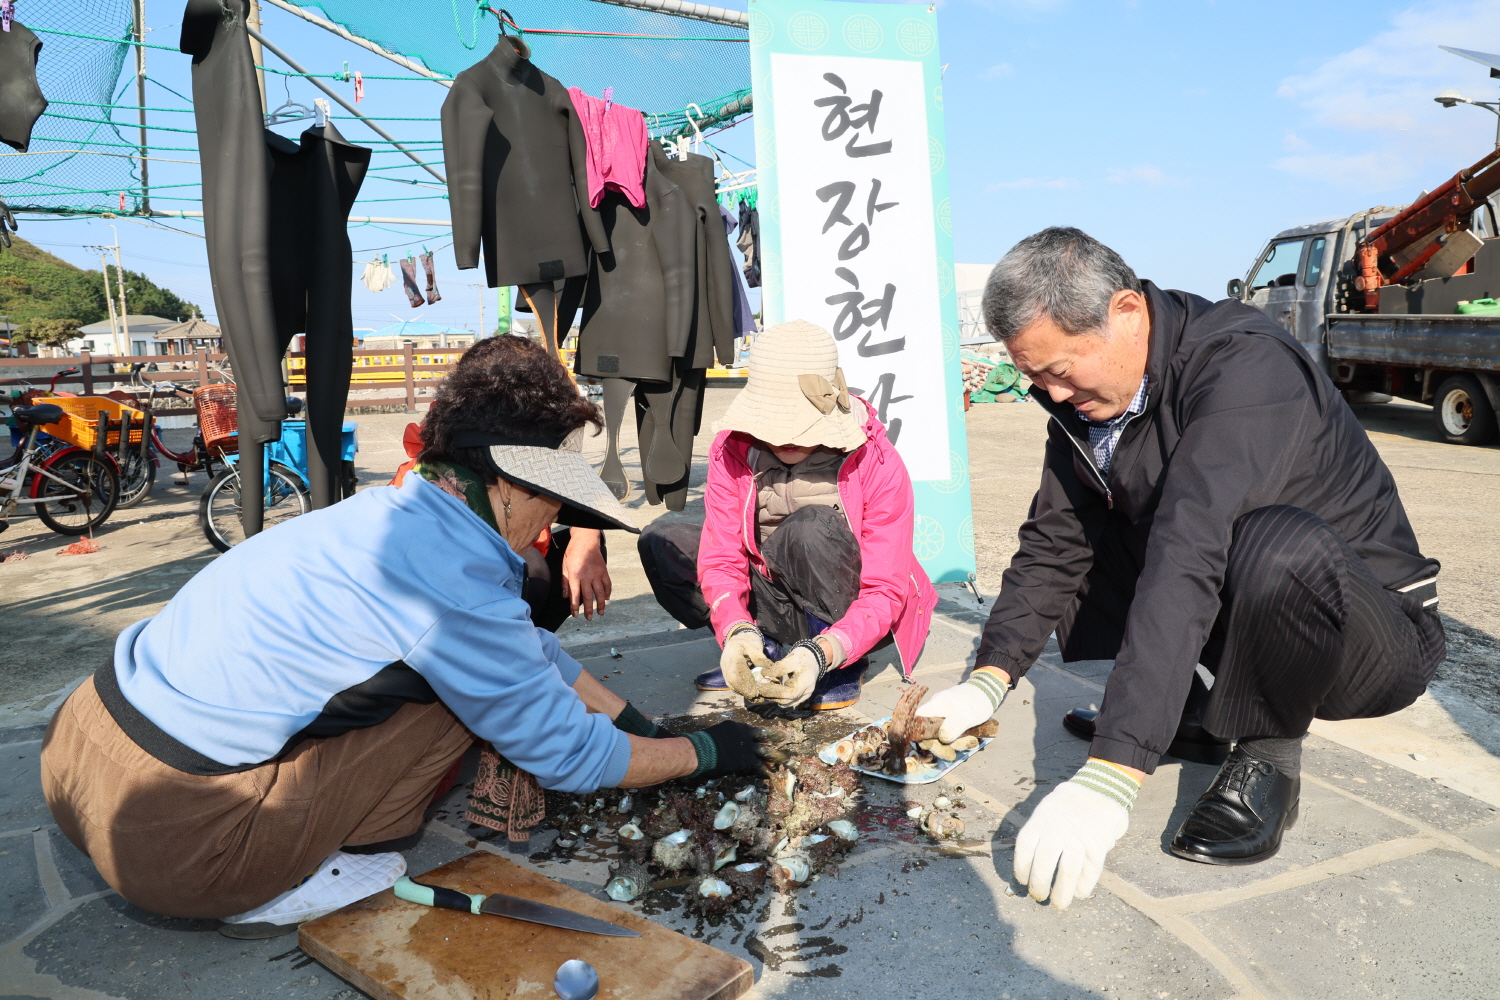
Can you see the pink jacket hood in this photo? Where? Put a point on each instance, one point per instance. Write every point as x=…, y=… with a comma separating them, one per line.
x=895, y=595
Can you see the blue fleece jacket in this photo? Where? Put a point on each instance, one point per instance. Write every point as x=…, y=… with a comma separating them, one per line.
x=252, y=649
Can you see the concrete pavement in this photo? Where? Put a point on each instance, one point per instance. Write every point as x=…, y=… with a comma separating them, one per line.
x=1388, y=887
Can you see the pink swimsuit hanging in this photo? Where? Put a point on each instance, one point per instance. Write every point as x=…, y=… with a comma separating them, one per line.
x=617, y=146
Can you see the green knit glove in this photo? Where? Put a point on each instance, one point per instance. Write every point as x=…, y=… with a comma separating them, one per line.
x=630, y=720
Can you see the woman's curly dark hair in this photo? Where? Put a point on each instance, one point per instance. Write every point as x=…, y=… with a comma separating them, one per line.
x=503, y=385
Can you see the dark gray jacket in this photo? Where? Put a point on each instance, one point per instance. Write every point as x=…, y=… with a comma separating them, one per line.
x=517, y=174
x=1237, y=417
x=712, y=332
x=641, y=295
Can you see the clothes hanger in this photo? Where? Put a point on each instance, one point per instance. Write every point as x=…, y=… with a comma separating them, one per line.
x=697, y=132
x=290, y=111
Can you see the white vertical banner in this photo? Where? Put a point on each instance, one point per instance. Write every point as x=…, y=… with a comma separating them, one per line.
x=858, y=251
x=857, y=230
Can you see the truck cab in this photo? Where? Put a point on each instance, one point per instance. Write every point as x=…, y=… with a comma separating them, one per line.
x=1297, y=278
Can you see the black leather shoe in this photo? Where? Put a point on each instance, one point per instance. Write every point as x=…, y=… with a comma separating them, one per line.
x=1192, y=741
x=1241, y=818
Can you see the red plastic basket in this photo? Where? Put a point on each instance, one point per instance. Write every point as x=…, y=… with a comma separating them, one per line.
x=217, y=420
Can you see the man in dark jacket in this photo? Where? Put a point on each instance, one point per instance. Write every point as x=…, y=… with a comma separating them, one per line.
x=1212, y=517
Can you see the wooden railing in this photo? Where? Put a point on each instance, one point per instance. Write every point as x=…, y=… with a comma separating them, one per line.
x=413, y=369
x=403, y=371
x=198, y=367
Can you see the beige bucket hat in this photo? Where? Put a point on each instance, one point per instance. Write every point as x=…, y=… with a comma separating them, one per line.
x=796, y=394
x=557, y=469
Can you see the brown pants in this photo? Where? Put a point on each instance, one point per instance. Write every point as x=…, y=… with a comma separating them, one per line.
x=187, y=845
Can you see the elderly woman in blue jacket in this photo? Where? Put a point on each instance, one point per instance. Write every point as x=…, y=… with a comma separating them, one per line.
x=295, y=707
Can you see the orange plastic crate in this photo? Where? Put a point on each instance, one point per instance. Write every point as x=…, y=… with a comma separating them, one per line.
x=79, y=424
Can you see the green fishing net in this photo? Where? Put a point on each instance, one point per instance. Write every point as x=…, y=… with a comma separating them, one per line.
x=79, y=71
x=656, y=62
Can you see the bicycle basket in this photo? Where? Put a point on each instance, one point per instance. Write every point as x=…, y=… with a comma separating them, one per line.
x=79, y=424
x=217, y=419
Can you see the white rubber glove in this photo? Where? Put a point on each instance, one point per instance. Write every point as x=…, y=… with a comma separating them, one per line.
x=966, y=705
x=790, y=680
x=1072, y=830
x=744, y=650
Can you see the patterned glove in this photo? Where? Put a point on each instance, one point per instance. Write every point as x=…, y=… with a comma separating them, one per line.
x=744, y=650
x=791, y=678
x=966, y=705
x=1072, y=830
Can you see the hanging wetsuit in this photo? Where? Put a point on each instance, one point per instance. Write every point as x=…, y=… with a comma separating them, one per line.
x=676, y=409
x=313, y=187
x=21, y=100
x=749, y=243
x=518, y=178
x=236, y=222
x=639, y=303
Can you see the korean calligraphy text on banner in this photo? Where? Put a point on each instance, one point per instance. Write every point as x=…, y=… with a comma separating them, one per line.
x=856, y=229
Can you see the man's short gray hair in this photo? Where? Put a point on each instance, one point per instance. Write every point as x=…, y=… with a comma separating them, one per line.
x=1060, y=273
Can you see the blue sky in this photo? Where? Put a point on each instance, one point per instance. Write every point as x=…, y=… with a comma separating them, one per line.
x=1181, y=133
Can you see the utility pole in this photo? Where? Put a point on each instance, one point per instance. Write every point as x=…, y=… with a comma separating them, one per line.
x=140, y=98
x=254, y=22
x=480, y=288
x=114, y=328
x=120, y=276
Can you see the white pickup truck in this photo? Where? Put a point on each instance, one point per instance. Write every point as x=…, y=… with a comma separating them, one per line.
x=1416, y=345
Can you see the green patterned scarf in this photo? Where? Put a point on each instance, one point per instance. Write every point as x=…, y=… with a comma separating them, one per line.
x=462, y=484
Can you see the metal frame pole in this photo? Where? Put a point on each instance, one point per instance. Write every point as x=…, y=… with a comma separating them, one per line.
x=363, y=43
x=695, y=11
x=140, y=94
x=265, y=43
x=253, y=22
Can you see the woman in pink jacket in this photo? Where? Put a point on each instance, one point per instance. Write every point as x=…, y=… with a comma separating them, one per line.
x=804, y=561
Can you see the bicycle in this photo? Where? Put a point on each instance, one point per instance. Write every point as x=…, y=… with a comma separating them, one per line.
x=72, y=489
x=138, y=466
x=284, y=485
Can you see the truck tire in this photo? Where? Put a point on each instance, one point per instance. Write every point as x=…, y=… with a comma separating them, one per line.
x=1461, y=411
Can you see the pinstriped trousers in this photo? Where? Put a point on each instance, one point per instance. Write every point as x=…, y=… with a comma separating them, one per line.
x=1305, y=630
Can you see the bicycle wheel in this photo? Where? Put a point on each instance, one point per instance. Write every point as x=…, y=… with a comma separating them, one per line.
x=92, y=489
x=219, y=511
x=136, y=479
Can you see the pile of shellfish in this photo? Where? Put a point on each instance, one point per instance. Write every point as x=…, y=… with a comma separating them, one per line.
x=907, y=744
x=726, y=840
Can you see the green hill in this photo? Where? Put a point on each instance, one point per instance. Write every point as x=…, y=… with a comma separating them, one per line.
x=36, y=285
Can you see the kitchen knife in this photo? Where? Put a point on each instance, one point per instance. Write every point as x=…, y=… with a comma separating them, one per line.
x=501, y=905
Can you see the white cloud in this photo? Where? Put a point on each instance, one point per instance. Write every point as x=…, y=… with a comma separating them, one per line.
x=1370, y=121
x=998, y=71
x=1026, y=183
x=1143, y=174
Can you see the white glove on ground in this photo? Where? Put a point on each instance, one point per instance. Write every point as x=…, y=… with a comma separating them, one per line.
x=965, y=705
x=791, y=678
x=1072, y=830
x=744, y=650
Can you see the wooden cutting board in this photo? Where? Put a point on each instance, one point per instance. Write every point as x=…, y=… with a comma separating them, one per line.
x=395, y=950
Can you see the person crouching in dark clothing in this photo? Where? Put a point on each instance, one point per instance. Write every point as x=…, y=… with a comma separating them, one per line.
x=1213, y=518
